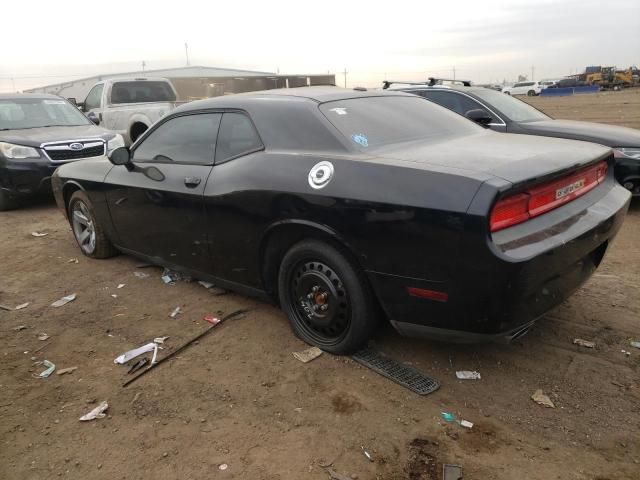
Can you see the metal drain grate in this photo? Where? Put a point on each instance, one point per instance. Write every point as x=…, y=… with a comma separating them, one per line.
x=407, y=376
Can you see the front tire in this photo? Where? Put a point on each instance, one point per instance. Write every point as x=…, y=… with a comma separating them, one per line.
x=531, y=93
x=87, y=231
x=326, y=298
x=7, y=203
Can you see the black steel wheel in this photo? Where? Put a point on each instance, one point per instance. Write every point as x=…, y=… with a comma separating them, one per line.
x=328, y=302
x=87, y=230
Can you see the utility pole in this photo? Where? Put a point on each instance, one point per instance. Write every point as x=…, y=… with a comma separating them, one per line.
x=186, y=52
x=345, y=77
x=532, y=70
x=143, y=65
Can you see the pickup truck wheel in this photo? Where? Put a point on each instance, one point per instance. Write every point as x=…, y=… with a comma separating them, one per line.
x=326, y=298
x=88, y=232
x=6, y=203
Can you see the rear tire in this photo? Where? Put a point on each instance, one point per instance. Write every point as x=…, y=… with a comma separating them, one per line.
x=87, y=231
x=531, y=93
x=326, y=298
x=507, y=93
x=7, y=203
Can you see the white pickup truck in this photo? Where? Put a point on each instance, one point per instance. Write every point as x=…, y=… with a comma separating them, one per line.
x=129, y=106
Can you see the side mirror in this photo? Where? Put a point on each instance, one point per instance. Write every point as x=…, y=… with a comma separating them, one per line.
x=120, y=156
x=72, y=101
x=479, y=116
x=93, y=116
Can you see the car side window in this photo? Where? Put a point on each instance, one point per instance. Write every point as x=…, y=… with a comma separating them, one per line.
x=237, y=137
x=94, y=98
x=189, y=139
x=454, y=101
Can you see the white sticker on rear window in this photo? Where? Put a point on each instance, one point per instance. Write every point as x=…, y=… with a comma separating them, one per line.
x=54, y=102
x=339, y=110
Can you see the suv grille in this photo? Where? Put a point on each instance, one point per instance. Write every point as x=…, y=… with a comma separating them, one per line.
x=63, y=151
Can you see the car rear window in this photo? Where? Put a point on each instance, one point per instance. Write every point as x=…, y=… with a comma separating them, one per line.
x=141, y=92
x=370, y=122
x=29, y=112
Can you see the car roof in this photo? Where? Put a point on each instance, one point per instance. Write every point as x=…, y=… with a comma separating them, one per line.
x=318, y=94
x=12, y=96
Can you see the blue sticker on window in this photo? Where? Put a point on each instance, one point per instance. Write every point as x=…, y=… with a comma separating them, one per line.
x=360, y=139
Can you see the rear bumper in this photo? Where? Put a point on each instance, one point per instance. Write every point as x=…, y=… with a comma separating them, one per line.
x=497, y=291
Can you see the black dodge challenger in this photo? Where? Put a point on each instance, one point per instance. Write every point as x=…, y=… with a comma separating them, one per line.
x=346, y=206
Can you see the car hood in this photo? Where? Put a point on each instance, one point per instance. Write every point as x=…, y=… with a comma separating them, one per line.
x=34, y=137
x=515, y=158
x=610, y=135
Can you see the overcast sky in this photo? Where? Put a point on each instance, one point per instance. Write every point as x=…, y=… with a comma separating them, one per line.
x=486, y=41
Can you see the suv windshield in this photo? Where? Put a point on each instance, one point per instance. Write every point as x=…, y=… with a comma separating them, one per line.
x=27, y=112
x=141, y=92
x=370, y=122
x=512, y=108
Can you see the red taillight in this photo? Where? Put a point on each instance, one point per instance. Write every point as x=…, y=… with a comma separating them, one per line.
x=537, y=200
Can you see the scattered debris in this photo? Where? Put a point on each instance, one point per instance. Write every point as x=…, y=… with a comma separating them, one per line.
x=635, y=344
x=206, y=284
x=22, y=305
x=20, y=327
x=466, y=424
x=305, y=356
x=141, y=274
x=541, y=399
x=50, y=369
x=97, y=412
x=131, y=354
x=584, y=343
x=38, y=234
x=64, y=300
x=185, y=345
x=168, y=280
x=159, y=340
x=114, y=295
x=627, y=353
x=62, y=371
x=337, y=476
x=448, y=417
x=366, y=454
x=4, y=307
x=468, y=375
x=136, y=397
x=325, y=463
x=72, y=260
x=223, y=466
x=176, y=312
x=138, y=365
x=210, y=318
x=43, y=336
x=451, y=472
x=121, y=285
x=170, y=277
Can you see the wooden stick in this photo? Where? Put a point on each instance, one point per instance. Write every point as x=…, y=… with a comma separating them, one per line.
x=197, y=337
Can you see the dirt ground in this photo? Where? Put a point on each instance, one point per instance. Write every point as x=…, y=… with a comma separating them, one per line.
x=240, y=398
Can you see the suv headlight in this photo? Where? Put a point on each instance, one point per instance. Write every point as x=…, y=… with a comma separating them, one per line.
x=624, y=152
x=9, y=150
x=115, y=142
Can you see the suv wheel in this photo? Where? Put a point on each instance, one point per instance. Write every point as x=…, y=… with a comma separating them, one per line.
x=6, y=203
x=531, y=93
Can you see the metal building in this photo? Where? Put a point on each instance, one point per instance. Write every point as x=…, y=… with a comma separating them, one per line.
x=193, y=83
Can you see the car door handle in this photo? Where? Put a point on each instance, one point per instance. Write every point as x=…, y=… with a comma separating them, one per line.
x=192, y=182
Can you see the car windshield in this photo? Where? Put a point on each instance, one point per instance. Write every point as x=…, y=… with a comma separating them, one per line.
x=514, y=109
x=141, y=92
x=370, y=122
x=27, y=112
